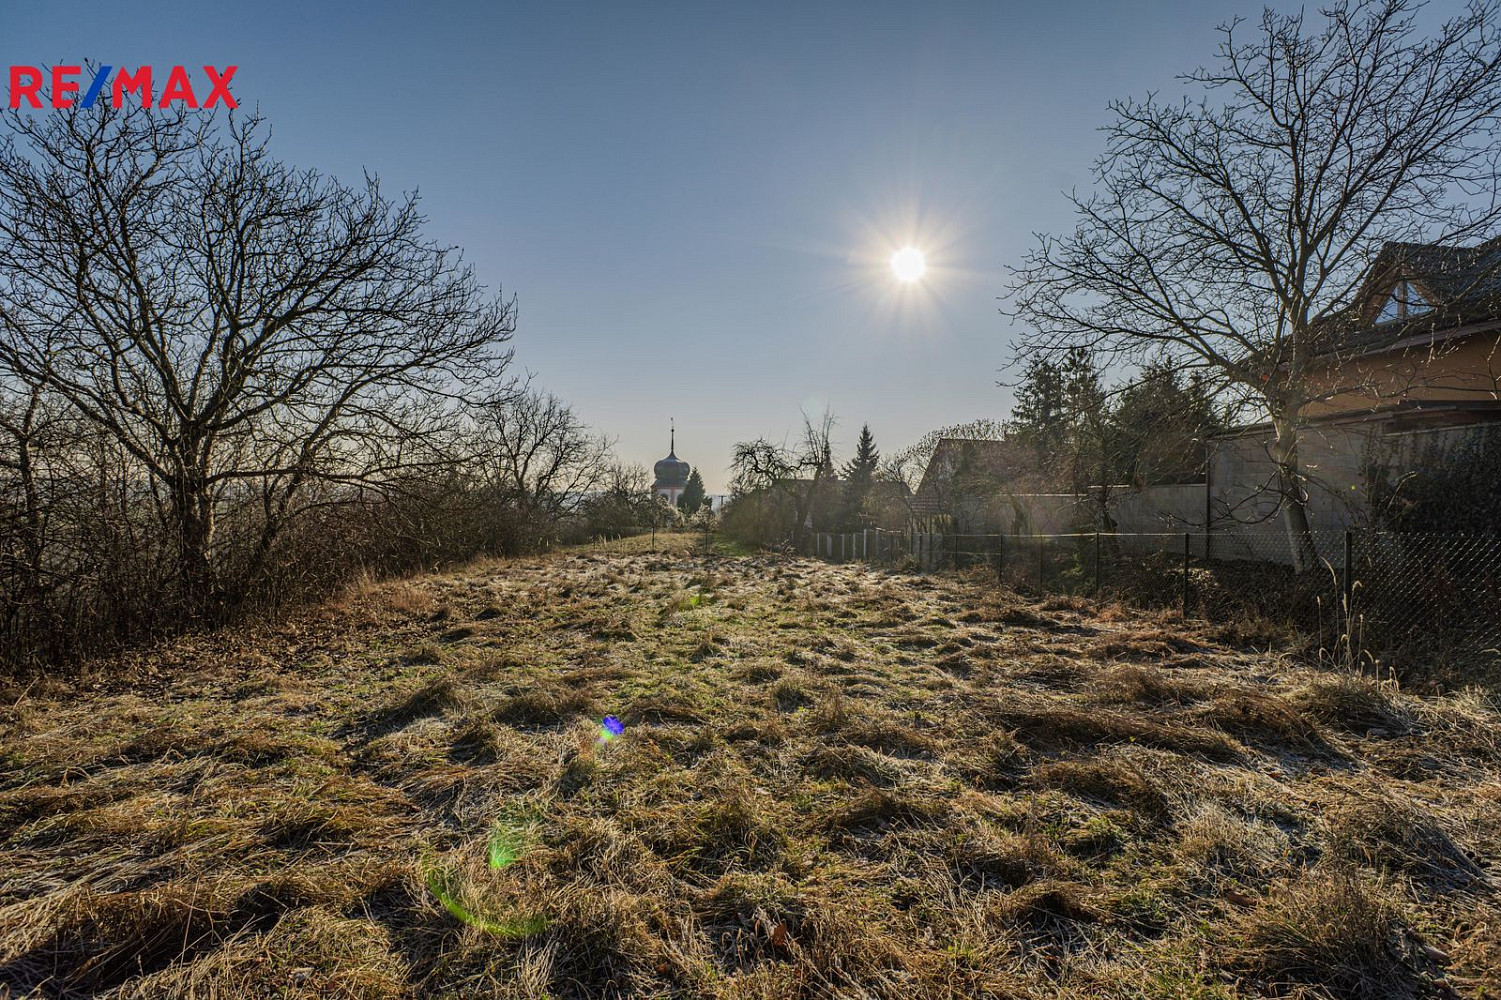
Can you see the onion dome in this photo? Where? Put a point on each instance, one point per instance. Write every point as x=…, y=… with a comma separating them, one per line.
x=672, y=471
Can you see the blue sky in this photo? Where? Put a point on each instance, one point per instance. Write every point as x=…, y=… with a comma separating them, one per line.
x=695, y=203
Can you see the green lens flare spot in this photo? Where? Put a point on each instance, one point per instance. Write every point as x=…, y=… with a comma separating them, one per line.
x=507, y=844
x=445, y=885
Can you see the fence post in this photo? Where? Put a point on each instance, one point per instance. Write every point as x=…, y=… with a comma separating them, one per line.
x=1186, y=544
x=1042, y=562
x=1000, y=558
x=1349, y=571
x=1096, y=564
x=954, y=545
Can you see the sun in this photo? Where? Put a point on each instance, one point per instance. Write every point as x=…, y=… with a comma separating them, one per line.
x=909, y=264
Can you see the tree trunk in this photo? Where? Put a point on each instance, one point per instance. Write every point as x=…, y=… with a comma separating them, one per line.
x=1292, y=498
x=803, y=512
x=30, y=610
x=193, y=511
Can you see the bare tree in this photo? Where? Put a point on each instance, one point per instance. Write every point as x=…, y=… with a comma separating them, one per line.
x=794, y=475
x=240, y=328
x=910, y=463
x=538, y=458
x=623, y=504
x=1231, y=231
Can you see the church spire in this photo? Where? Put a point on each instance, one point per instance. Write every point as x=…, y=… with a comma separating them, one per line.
x=672, y=448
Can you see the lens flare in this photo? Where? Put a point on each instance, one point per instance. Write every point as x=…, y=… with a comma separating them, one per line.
x=446, y=885
x=507, y=845
x=611, y=728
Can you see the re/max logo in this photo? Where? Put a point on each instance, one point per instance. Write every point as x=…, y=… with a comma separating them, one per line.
x=26, y=84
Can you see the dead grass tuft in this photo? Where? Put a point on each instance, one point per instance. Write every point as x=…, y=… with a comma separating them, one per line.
x=303, y=825
x=105, y=939
x=1043, y=904
x=1353, y=702
x=995, y=761
x=1220, y=847
x=880, y=808
x=1067, y=727
x=439, y=695
x=1135, y=685
x=663, y=708
x=982, y=860
x=549, y=705
x=854, y=764
x=789, y=695
x=1327, y=931
x=1375, y=830
x=1111, y=782
x=1261, y=719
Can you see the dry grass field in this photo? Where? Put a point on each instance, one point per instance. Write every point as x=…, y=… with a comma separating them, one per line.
x=833, y=781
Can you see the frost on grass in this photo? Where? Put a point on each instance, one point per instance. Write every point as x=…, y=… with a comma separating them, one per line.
x=819, y=781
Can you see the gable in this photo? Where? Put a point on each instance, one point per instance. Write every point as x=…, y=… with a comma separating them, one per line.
x=1404, y=301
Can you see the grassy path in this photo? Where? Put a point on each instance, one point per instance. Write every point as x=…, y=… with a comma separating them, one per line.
x=833, y=781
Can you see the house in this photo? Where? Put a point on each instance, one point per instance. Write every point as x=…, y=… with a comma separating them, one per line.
x=1408, y=373
x=887, y=505
x=1404, y=389
x=966, y=480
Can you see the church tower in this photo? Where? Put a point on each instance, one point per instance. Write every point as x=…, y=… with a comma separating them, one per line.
x=672, y=473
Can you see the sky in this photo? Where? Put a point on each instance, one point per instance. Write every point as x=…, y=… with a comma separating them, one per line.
x=694, y=204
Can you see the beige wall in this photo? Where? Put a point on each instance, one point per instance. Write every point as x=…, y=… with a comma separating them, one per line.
x=1240, y=499
x=1242, y=480
x=1468, y=369
x=1155, y=509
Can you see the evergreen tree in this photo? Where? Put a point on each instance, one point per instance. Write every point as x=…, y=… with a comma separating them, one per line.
x=1039, y=417
x=1064, y=414
x=858, y=473
x=862, y=467
x=692, y=497
x=1164, y=419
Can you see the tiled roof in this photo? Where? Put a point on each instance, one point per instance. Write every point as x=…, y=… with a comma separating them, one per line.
x=1461, y=284
x=994, y=460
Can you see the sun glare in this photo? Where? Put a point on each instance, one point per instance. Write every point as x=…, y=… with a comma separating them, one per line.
x=909, y=264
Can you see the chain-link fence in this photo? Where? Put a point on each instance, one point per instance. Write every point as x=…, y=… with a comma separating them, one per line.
x=1363, y=595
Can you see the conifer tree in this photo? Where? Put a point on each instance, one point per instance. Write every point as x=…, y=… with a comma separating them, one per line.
x=862, y=467
x=858, y=473
x=692, y=497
